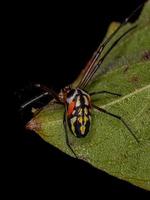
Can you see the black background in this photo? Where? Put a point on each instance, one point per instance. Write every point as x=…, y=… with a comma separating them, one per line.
x=50, y=44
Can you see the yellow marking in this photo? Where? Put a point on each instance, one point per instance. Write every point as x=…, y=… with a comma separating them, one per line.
x=85, y=119
x=80, y=120
x=82, y=129
x=80, y=111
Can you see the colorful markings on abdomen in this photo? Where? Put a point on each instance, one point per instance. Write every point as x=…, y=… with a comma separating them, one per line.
x=79, y=112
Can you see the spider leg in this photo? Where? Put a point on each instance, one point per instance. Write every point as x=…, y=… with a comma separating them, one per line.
x=119, y=118
x=47, y=91
x=33, y=100
x=107, y=92
x=95, y=62
x=66, y=134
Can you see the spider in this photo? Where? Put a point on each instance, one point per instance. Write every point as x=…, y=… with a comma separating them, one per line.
x=77, y=102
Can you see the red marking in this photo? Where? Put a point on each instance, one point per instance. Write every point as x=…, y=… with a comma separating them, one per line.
x=71, y=108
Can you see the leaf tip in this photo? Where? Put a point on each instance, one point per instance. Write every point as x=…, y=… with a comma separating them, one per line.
x=33, y=125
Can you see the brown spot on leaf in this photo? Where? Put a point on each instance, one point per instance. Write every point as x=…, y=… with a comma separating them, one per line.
x=146, y=55
x=134, y=79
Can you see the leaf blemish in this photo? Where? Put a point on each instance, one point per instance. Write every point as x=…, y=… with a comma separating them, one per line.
x=134, y=79
x=146, y=55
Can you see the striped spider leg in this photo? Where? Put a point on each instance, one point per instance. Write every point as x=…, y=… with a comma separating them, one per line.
x=94, y=63
x=66, y=134
x=46, y=92
x=111, y=114
x=117, y=117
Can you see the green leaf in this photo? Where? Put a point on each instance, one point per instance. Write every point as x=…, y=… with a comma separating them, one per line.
x=109, y=146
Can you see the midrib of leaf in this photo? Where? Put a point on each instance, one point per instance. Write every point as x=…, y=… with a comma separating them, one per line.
x=127, y=96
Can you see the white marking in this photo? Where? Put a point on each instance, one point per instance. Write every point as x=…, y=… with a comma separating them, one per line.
x=72, y=124
x=73, y=112
x=86, y=100
x=73, y=119
x=80, y=111
x=86, y=110
x=78, y=101
x=82, y=129
x=70, y=99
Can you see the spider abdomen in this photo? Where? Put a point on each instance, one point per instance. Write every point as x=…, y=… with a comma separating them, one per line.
x=78, y=112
